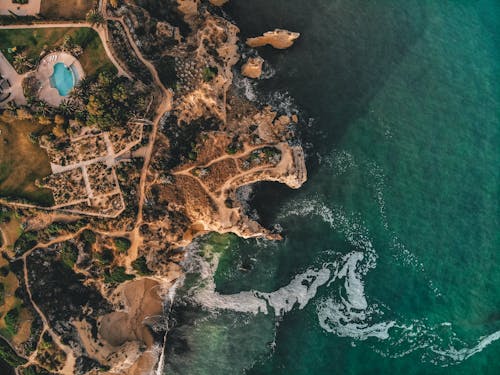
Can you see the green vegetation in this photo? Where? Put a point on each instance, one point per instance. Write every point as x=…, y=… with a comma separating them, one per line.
x=117, y=276
x=209, y=73
x=23, y=47
x=122, y=244
x=9, y=356
x=108, y=101
x=69, y=255
x=89, y=239
x=141, y=266
x=105, y=257
x=25, y=242
x=167, y=72
x=11, y=320
x=2, y=294
x=94, y=17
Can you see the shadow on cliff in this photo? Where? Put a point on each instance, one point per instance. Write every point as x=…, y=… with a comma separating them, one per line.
x=346, y=52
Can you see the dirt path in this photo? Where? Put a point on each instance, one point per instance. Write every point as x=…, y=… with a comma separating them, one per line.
x=134, y=235
x=69, y=365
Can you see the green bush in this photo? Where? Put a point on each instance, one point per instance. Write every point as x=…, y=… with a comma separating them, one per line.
x=141, y=266
x=117, y=275
x=9, y=356
x=69, y=255
x=122, y=244
x=12, y=321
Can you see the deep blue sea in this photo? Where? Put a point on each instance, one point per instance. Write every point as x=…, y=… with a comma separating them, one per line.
x=390, y=261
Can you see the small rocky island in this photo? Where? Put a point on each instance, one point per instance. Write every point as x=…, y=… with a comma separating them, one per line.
x=148, y=151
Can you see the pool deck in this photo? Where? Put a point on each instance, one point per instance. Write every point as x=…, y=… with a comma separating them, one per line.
x=15, y=80
x=45, y=71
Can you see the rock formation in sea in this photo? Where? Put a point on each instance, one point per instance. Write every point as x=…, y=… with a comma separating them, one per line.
x=253, y=67
x=278, y=38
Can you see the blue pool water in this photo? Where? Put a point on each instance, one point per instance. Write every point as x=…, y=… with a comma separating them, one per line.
x=62, y=79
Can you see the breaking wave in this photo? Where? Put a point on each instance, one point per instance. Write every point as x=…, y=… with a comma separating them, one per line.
x=347, y=313
x=343, y=309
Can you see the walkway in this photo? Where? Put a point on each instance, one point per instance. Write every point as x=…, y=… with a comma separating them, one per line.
x=15, y=80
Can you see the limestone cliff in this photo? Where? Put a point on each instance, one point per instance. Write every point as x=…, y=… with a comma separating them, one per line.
x=280, y=39
x=253, y=67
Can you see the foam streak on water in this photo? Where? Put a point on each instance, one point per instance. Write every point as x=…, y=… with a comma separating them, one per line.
x=346, y=311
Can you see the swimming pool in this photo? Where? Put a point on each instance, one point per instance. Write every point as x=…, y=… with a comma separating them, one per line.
x=63, y=79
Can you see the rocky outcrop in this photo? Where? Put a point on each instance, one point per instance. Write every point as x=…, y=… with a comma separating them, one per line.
x=253, y=67
x=280, y=39
x=218, y=3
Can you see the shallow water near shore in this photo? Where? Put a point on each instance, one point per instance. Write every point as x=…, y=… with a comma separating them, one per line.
x=390, y=261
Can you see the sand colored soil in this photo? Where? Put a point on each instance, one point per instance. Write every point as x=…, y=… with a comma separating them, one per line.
x=66, y=9
x=253, y=67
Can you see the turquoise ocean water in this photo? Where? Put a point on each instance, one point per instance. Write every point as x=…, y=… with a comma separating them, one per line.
x=390, y=262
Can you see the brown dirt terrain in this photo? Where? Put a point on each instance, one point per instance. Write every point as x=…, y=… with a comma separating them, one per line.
x=22, y=162
x=66, y=9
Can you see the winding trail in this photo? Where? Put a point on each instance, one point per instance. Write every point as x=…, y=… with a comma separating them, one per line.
x=166, y=100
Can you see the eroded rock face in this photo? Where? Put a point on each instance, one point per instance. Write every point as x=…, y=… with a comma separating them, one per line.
x=218, y=3
x=279, y=38
x=253, y=67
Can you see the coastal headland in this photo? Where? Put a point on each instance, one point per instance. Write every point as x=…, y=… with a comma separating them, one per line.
x=147, y=143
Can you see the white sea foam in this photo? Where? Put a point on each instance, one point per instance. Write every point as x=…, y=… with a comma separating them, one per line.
x=246, y=86
x=299, y=291
x=340, y=161
x=345, y=310
x=459, y=355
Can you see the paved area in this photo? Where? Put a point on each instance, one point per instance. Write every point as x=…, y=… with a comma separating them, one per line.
x=30, y=9
x=45, y=71
x=16, y=90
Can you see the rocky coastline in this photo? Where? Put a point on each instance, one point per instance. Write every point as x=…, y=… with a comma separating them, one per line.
x=204, y=142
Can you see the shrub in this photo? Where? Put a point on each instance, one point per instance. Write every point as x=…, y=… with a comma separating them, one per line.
x=141, y=266
x=122, y=244
x=117, y=275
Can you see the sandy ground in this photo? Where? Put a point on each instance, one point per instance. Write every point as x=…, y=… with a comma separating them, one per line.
x=30, y=9
x=121, y=334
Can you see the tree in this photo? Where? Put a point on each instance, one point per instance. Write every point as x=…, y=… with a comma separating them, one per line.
x=95, y=18
x=22, y=63
x=113, y=3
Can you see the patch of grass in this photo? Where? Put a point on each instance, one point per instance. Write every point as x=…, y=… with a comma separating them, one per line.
x=11, y=320
x=66, y=9
x=33, y=42
x=22, y=162
x=9, y=356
